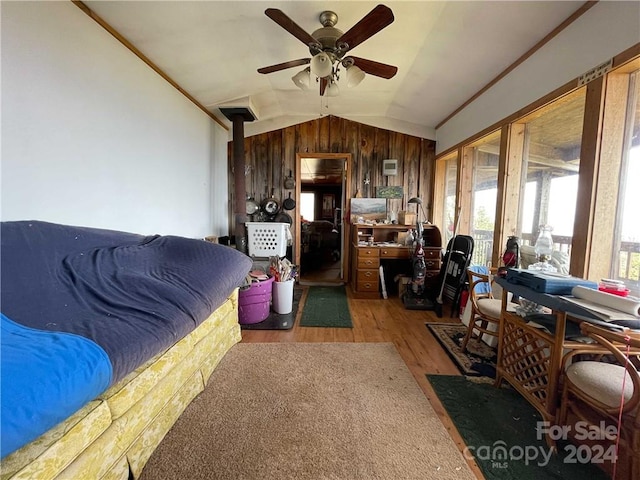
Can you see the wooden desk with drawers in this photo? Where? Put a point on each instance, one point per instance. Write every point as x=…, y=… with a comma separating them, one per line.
x=373, y=244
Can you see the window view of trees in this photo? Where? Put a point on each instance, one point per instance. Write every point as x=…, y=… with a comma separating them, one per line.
x=583, y=184
x=626, y=254
x=486, y=156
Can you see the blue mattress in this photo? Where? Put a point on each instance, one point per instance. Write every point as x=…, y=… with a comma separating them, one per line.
x=83, y=307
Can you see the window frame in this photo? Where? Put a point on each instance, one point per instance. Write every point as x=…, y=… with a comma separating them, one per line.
x=600, y=140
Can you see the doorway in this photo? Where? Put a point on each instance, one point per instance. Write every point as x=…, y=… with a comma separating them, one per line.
x=322, y=229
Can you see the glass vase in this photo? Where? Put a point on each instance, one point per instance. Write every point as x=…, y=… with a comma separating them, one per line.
x=544, y=243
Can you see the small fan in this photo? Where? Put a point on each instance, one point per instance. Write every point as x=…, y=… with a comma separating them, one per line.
x=328, y=47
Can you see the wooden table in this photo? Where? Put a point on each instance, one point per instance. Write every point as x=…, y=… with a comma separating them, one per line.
x=531, y=359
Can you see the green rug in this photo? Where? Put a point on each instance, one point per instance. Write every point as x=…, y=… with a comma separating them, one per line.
x=499, y=428
x=326, y=307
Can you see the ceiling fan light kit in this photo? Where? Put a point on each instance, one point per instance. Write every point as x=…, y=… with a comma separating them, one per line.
x=302, y=79
x=321, y=65
x=332, y=90
x=355, y=75
x=328, y=46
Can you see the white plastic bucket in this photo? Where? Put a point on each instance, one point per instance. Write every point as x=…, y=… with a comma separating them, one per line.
x=282, y=297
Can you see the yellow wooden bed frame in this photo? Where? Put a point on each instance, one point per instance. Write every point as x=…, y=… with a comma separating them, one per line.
x=113, y=436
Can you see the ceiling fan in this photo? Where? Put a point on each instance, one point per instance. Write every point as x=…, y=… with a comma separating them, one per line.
x=328, y=47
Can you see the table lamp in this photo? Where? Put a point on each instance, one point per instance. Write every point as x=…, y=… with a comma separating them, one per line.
x=418, y=201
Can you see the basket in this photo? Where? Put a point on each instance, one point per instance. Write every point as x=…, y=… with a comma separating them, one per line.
x=267, y=239
x=253, y=302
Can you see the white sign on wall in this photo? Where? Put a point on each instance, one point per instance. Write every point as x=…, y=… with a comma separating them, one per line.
x=595, y=72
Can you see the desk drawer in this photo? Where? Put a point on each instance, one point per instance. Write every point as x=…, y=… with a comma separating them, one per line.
x=368, y=276
x=368, y=252
x=394, y=252
x=366, y=285
x=431, y=277
x=432, y=264
x=368, y=262
x=432, y=253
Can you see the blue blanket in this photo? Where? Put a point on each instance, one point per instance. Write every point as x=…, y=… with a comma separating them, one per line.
x=482, y=287
x=133, y=296
x=46, y=377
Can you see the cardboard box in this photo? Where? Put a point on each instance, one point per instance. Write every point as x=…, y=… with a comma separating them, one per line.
x=403, y=281
x=406, y=218
x=401, y=237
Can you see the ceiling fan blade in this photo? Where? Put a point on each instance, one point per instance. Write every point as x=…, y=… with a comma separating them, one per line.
x=284, y=66
x=375, y=68
x=289, y=25
x=374, y=21
x=323, y=85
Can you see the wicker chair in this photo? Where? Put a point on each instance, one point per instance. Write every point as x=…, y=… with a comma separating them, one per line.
x=592, y=390
x=485, y=309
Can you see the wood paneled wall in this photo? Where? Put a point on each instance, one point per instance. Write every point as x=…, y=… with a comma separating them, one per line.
x=269, y=157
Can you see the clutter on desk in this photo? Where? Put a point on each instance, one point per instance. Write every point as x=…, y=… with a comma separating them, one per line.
x=614, y=287
x=406, y=218
x=605, y=305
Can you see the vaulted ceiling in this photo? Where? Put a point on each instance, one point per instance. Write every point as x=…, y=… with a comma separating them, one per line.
x=445, y=53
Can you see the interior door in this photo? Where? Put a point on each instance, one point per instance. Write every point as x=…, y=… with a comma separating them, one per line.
x=323, y=169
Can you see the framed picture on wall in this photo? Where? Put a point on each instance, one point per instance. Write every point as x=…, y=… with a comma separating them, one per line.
x=328, y=204
x=368, y=209
x=389, y=192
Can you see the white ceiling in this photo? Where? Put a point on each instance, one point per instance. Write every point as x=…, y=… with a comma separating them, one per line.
x=445, y=52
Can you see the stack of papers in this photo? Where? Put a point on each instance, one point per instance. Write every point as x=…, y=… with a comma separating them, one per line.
x=605, y=306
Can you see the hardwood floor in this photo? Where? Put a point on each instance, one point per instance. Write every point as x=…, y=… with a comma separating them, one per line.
x=384, y=321
x=329, y=275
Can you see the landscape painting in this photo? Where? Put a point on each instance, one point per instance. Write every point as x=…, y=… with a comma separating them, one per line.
x=389, y=192
x=368, y=209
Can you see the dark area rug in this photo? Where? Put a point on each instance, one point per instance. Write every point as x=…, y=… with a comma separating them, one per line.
x=499, y=428
x=326, y=307
x=479, y=359
x=276, y=321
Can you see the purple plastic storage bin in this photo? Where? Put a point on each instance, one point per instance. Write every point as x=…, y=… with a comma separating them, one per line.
x=253, y=302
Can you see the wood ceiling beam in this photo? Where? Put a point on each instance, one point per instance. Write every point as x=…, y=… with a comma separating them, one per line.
x=94, y=16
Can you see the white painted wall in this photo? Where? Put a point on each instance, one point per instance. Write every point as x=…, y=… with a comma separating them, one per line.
x=607, y=29
x=92, y=136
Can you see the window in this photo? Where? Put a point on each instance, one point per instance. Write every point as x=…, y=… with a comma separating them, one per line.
x=581, y=183
x=550, y=155
x=626, y=246
x=308, y=206
x=445, y=192
x=484, y=156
